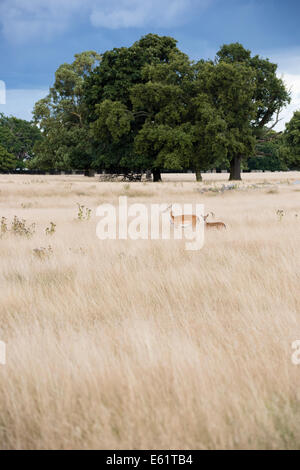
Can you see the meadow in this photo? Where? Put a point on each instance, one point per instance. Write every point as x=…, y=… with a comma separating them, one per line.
x=123, y=344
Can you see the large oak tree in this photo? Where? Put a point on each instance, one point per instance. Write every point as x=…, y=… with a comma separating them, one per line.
x=18, y=137
x=269, y=94
x=115, y=121
x=62, y=118
x=290, y=150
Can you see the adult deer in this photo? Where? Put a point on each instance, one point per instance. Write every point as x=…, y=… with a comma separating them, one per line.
x=217, y=225
x=183, y=220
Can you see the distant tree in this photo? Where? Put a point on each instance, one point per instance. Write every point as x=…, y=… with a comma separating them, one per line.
x=183, y=127
x=18, y=137
x=148, y=106
x=62, y=117
x=164, y=137
x=209, y=136
x=7, y=160
x=290, y=150
x=229, y=89
x=108, y=94
x=269, y=94
x=166, y=122
x=267, y=155
x=112, y=131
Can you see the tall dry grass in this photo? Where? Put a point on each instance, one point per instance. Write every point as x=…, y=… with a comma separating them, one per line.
x=130, y=345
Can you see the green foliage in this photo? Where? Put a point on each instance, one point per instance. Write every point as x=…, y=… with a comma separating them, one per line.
x=165, y=137
x=209, y=134
x=149, y=106
x=18, y=137
x=229, y=89
x=64, y=147
x=177, y=119
x=269, y=94
x=290, y=150
x=121, y=68
x=7, y=160
x=164, y=146
x=267, y=156
x=113, y=121
x=114, y=111
x=62, y=117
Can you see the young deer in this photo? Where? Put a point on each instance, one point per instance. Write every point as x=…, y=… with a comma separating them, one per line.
x=184, y=220
x=217, y=225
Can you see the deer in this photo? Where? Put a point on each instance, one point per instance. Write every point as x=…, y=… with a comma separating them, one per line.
x=217, y=225
x=184, y=220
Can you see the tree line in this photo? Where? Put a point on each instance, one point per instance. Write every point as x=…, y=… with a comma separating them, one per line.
x=17, y=140
x=148, y=106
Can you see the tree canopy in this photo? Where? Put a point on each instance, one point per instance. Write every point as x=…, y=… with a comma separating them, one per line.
x=182, y=126
x=62, y=118
x=269, y=94
x=230, y=87
x=148, y=106
x=7, y=160
x=290, y=150
x=268, y=153
x=115, y=121
x=18, y=137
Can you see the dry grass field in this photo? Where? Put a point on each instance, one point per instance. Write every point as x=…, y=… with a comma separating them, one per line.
x=142, y=344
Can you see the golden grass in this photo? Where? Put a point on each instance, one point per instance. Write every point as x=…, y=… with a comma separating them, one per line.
x=131, y=345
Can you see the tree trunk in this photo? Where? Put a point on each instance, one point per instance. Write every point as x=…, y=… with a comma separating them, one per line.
x=90, y=173
x=235, y=168
x=198, y=175
x=156, y=174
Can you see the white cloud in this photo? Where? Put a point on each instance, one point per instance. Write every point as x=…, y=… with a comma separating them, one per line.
x=292, y=82
x=2, y=92
x=20, y=103
x=23, y=21
x=136, y=13
x=288, y=60
x=289, y=70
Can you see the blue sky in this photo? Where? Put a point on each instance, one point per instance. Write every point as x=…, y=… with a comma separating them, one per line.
x=36, y=36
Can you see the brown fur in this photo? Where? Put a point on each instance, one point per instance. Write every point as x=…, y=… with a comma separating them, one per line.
x=217, y=225
x=184, y=219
